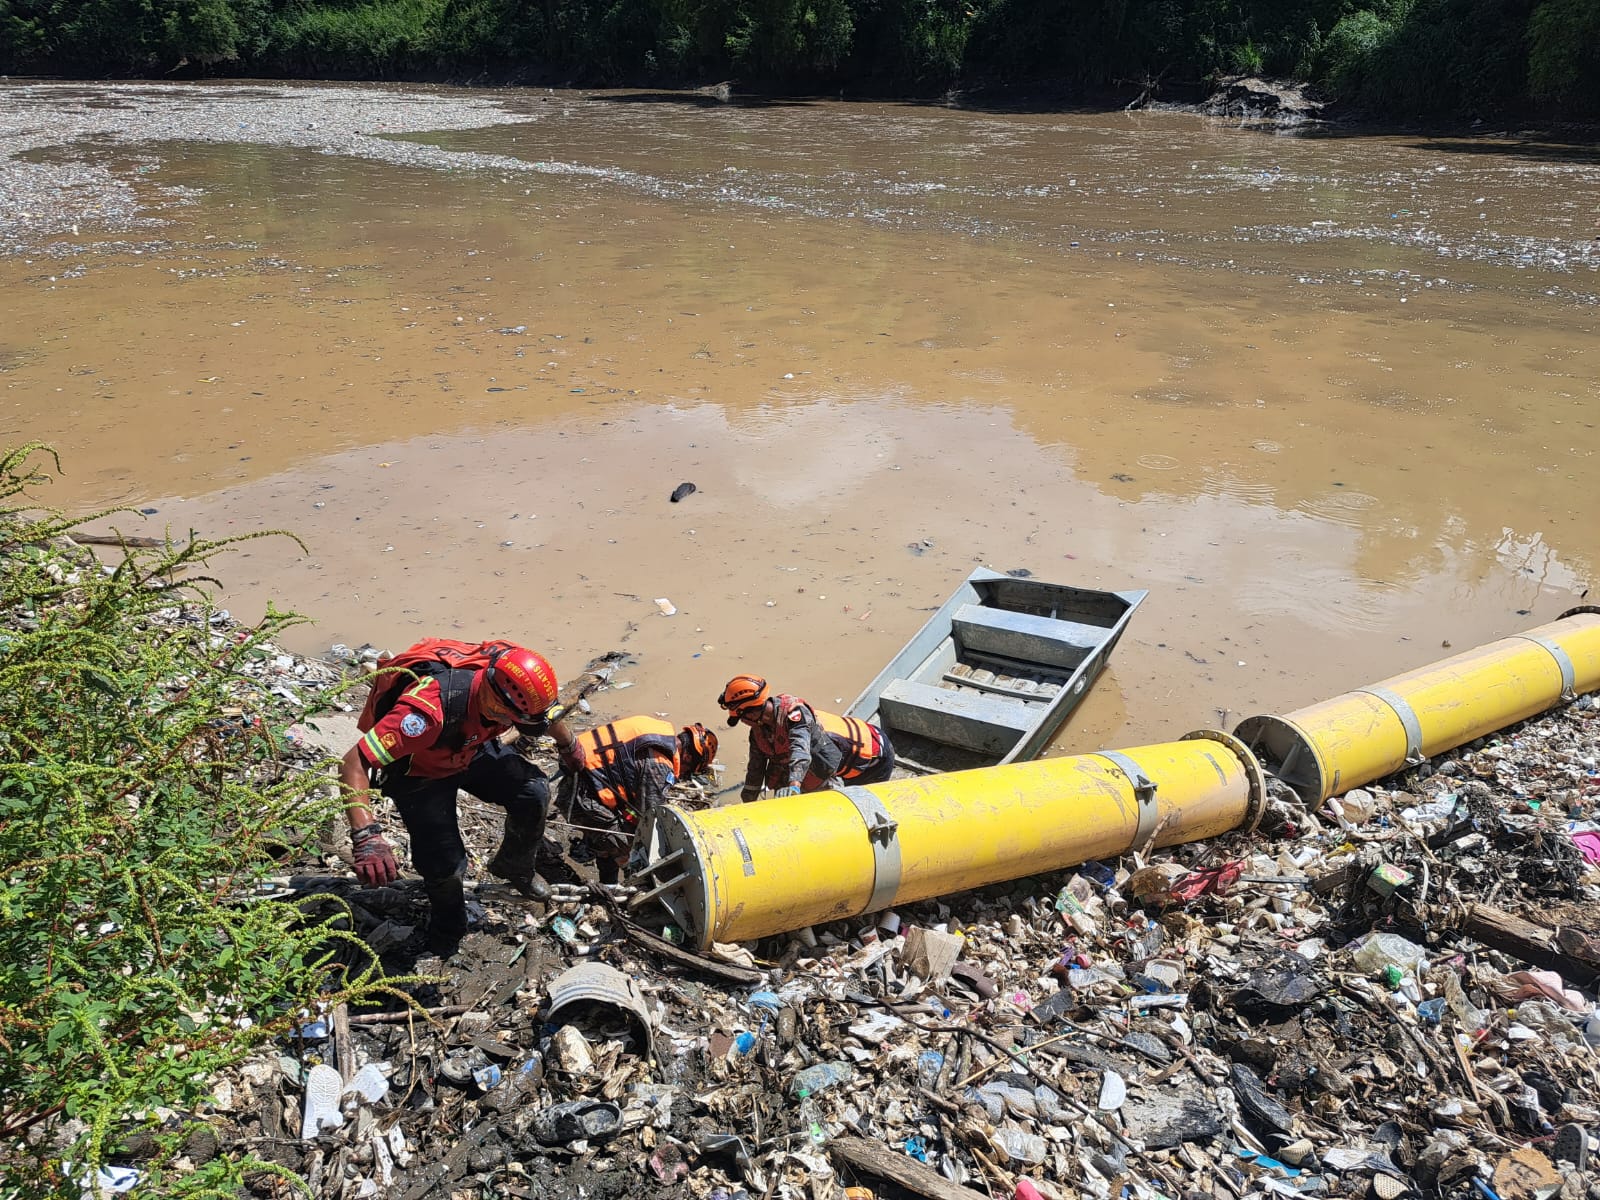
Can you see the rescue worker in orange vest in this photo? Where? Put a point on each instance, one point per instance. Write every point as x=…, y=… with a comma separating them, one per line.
x=621, y=771
x=436, y=735
x=795, y=748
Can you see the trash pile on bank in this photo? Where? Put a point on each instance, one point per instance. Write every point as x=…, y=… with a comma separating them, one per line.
x=1391, y=996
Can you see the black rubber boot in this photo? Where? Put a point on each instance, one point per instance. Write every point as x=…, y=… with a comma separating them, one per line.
x=609, y=868
x=516, y=860
x=447, y=914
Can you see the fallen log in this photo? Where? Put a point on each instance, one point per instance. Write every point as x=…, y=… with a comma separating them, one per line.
x=1572, y=953
x=879, y=1161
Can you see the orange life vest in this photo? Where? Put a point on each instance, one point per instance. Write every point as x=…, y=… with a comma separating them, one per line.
x=611, y=757
x=860, y=744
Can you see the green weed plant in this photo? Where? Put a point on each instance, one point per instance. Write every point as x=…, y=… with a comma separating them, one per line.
x=142, y=800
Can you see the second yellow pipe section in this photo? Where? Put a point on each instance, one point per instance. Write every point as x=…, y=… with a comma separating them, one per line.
x=1366, y=734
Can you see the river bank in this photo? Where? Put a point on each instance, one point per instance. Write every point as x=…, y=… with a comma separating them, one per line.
x=1309, y=1007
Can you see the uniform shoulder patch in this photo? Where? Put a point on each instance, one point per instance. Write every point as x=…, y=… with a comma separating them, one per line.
x=413, y=724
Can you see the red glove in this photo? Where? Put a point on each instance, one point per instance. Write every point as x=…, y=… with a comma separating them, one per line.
x=375, y=862
x=571, y=758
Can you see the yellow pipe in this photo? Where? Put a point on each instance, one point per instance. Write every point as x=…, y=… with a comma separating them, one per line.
x=746, y=871
x=1375, y=731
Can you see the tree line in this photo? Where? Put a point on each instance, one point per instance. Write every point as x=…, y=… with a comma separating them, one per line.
x=1381, y=58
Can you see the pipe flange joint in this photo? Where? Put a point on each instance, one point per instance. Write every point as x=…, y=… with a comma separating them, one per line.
x=1255, y=805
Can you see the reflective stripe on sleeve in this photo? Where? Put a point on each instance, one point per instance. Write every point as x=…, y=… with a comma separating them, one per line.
x=376, y=752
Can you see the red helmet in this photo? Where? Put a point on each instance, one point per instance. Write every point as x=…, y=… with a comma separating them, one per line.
x=742, y=692
x=697, y=749
x=524, y=681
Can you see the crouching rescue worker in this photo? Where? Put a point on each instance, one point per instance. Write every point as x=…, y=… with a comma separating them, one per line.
x=796, y=748
x=620, y=772
x=432, y=726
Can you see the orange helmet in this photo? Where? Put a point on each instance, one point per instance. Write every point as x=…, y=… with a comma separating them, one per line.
x=697, y=749
x=524, y=681
x=742, y=692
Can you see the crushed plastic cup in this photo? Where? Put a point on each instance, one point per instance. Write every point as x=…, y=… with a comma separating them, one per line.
x=1018, y=1146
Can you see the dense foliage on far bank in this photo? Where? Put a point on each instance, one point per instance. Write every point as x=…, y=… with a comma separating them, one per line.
x=1382, y=57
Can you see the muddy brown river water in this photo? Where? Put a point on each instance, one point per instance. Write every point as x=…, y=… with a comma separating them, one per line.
x=1332, y=399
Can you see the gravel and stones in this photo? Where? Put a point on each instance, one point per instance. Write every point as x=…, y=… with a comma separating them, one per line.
x=79, y=178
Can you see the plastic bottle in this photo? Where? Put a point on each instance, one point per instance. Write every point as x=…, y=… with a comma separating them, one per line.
x=811, y=1119
x=1381, y=950
x=820, y=1076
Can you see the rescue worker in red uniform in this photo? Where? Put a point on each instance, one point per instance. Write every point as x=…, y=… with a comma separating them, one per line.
x=795, y=748
x=439, y=735
x=621, y=771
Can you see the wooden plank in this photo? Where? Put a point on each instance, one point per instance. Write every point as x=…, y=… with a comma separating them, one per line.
x=879, y=1161
x=1024, y=637
x=998, y=689
x=343, y=1048
x=1572, y=953
x=981, y=723
x=912, y=765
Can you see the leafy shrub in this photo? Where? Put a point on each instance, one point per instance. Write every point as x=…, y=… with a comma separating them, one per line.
x=381, y=37
x=1564, y=54
x=1351, y=49
x=141, y=797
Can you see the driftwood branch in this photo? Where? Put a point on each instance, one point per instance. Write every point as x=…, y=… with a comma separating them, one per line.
x=407, y=1014
x=668, y=951
x=879, y=1161
x=115, y=539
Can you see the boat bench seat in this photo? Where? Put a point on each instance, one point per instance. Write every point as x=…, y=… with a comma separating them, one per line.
x=1025, y=637
x=981, y=723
